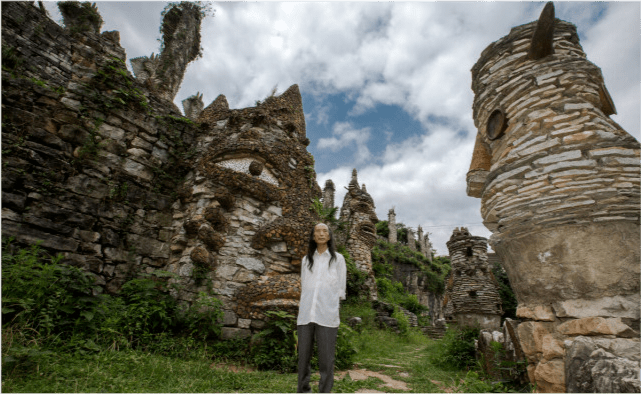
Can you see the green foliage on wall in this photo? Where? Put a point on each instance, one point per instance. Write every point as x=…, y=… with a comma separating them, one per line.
x=385, y=254
x=508, y=299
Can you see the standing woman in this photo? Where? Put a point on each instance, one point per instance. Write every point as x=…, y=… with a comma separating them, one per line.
x=322, y=278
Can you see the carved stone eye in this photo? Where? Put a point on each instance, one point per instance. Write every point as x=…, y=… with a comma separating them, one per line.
x=256, y=168
x=496, y=124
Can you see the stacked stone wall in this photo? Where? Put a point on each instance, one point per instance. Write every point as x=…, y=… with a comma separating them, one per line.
x=101, y=168
x=471, y=293
x=416, y=282
x=88, y=176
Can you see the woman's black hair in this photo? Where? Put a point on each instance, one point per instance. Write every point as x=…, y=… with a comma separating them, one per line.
x=331, y=246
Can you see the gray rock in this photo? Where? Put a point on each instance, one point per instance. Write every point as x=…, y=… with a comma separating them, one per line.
x=231, y=333
x=354, y=321
x=251, y=264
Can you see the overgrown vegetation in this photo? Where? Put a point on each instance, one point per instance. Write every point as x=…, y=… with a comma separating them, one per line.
x=51, y=307
x=508, y=299
x=385, y=254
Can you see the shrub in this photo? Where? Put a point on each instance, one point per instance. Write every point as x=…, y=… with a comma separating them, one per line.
x=403, y=322
x=355, y=277
x=274, y=347
x=456, y=350
x=54, y=305
x=345, y=348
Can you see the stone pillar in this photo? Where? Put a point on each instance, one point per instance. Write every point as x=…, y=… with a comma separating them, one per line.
x=328, y=194
x=559, y=188
x=428, y=247
x=472, y=290
x=421, y=240
x=193, y=106
x=411, y=241
x=391, y=224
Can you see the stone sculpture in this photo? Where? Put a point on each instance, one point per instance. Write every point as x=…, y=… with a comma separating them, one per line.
x=559, y=188
x=358, y=212
x=471, y=294
x=245, y=207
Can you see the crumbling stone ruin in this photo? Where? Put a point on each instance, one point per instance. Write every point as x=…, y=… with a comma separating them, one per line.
x=471, y=295
x=424, y=244
x=358, y=212
x=102, y=168
x=559, y=188
x=164, y=73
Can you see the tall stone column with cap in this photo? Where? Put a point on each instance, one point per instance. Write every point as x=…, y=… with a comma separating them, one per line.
x=328, y=194
x=559, y=187
x=391, y=225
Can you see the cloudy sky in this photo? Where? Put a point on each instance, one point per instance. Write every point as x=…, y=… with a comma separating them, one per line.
x=386, y=86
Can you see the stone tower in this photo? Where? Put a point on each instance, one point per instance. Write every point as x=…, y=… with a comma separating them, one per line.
x=421, y=240
x=428, y=247
x=411, y=241
x=328, y=194
x=358, y=211
x=471, y=295
x=559, y=188
x=391, y=225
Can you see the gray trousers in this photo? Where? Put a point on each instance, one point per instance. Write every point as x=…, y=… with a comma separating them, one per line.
x=326, y=340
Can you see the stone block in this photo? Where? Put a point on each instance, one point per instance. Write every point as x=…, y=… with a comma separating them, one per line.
x=551, y=348
x=148, y=246
x=596, y=326
x=244, y=323
x=231, y=333
x=616, y=306
x=138, y=170
x=531, y=336
x=538, y=312
x=550, y=376
x=251, y=264
x=229, y=318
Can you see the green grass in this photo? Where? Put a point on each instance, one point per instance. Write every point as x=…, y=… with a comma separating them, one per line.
x=135, y=371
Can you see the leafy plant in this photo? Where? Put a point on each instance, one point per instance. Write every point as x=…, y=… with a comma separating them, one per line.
x=345, y=347
x=456, y=350
x=355, y=277
x=274, y=347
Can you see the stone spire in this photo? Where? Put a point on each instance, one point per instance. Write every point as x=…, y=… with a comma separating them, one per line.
x=428, y=247
x=421, y=240
x=328, y=194
x=391, y=225
x=411, y=241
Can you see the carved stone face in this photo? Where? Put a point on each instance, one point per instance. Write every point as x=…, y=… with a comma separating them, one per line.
x=247, y=204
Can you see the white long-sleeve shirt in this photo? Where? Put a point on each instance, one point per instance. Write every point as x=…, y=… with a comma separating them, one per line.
x=321, y=290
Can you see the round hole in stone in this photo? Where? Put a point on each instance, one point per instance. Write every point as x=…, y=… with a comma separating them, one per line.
x=473, y=293
x=496, y=124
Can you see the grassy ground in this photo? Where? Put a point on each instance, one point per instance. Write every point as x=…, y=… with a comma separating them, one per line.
x=403, y=359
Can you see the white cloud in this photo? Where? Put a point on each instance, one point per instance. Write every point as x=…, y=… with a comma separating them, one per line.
x=346, y=135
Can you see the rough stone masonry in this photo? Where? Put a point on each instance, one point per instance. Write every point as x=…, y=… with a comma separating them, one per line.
x=103, y=168
x=559, y=188
x=471, y=295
